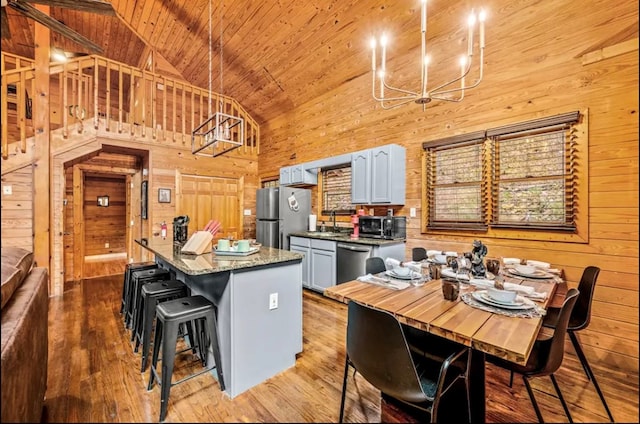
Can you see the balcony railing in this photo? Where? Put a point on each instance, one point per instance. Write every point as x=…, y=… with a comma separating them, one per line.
x=113, y=97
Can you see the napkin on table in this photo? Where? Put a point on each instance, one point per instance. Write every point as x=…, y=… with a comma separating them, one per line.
x=527, y=291
x=539, y=264
x=384, y=282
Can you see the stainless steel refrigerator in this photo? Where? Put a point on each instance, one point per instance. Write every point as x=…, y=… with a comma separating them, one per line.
x=281, y=211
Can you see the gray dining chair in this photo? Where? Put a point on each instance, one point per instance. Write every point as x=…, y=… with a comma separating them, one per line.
x=375, y=265
x=392, y=367
x=418, y=254
x=546, y=356
x=579, y=320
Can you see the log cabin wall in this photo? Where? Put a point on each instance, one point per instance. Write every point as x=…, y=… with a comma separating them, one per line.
x=542, y=58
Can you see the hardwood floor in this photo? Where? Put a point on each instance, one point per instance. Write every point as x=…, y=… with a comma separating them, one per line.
x=94, y=376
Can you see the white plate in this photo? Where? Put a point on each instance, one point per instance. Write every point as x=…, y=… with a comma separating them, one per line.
x=479, y=295
x=233, y=252
x=538, y=273
x=390, y=273
x=519, y=300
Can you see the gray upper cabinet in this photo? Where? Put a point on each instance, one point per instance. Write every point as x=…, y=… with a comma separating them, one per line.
x=297, y=175
x=378, y=175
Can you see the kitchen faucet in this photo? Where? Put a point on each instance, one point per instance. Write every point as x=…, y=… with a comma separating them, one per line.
x=333, y=218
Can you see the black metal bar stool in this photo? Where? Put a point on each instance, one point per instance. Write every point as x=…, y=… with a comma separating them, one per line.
x=128, y=271
x=151, y=295
x=138, y=278
x=169, y=315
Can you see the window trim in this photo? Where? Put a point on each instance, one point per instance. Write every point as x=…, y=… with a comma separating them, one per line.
x=579, y=234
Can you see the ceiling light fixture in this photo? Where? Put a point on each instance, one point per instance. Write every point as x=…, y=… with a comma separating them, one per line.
x=58, y=55
x=221, y=132
x=424, y=96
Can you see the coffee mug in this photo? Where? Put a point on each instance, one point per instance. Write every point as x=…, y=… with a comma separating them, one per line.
x=223, y=245
x=241, y=245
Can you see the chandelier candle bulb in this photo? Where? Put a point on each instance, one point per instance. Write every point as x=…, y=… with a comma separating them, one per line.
x=472, y=22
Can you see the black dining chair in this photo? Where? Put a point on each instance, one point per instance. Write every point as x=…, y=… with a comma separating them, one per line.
x=579, y=320
x=546, y=356
x=391, y=366
x=374, y=265
x=418, y=254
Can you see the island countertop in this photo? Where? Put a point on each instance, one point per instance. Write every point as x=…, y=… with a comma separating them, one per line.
x=346, y=238
x=208, y=263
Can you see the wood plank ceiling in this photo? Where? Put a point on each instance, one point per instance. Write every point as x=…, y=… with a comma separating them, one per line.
x=277, y=54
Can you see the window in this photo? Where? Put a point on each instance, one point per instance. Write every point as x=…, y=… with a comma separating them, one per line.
x=517, y=176
x=456, y=182
x=336, y=190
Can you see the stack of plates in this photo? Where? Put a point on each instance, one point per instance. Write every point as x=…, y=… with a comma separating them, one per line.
x=537, y=273
x=519, y=303
x=391, y=273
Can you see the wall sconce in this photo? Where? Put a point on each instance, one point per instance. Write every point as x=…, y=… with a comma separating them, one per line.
x=103, y=201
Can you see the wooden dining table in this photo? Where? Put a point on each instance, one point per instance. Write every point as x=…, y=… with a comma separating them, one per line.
x=484, y=332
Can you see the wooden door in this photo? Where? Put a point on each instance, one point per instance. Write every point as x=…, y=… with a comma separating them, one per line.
x=204, y=198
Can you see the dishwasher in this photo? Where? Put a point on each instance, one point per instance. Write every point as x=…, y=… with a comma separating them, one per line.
x=351, y=261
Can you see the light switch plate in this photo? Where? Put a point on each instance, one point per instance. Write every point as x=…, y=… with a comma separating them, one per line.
x=6, y=189
x=412, y=212
x=247, y=212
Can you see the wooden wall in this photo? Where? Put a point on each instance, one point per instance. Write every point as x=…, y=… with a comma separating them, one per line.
x=542, y=58
x=105, y=227
x=17, y=209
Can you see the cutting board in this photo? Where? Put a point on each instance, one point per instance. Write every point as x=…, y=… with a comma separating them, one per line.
x=198, y=243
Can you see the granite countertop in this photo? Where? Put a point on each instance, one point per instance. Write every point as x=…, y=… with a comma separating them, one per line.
x=208, y=263
x=346, y=237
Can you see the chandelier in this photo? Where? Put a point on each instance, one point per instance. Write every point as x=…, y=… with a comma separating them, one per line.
x=424, y=95
x=221, y=132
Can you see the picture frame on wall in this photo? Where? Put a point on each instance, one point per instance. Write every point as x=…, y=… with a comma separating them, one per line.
x=143, y=199
x=164, y=195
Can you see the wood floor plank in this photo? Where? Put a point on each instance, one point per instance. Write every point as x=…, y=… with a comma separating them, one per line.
x=94, y=376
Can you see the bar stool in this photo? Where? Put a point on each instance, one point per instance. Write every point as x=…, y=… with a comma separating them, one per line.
x=151, y=295
x=138, y=279
x=128, y=270
x=169, y=315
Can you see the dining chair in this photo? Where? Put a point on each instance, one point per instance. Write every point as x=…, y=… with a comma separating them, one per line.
x=546, y=356
x=391, y=367
x=418, y=254
x=579, y=320
x=375, y=265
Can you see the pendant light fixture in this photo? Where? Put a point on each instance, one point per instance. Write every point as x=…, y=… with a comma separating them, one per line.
x=391, y=97
x=221, y=132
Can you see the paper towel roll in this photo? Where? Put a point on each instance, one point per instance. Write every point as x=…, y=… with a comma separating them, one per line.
x=312, y=222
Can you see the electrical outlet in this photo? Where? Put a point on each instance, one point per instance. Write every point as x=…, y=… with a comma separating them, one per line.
x=273, y=301
x=106, y=245
x=247, y=212
x=6, y=189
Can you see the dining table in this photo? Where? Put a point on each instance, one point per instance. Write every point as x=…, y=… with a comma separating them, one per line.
x=485, y=330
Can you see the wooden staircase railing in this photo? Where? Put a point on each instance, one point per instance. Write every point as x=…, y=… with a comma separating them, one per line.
x=116, y=97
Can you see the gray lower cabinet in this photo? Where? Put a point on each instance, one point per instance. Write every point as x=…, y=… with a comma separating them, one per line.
x=319, y=263
x=303, y=245
x=322, y=264
x=378, y=175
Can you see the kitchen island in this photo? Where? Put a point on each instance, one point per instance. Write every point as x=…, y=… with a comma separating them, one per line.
x=259, y=307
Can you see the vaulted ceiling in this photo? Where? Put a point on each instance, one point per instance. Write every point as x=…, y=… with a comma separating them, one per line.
x=277, y=54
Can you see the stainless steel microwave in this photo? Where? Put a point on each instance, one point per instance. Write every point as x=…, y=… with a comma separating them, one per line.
x=383, y=227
